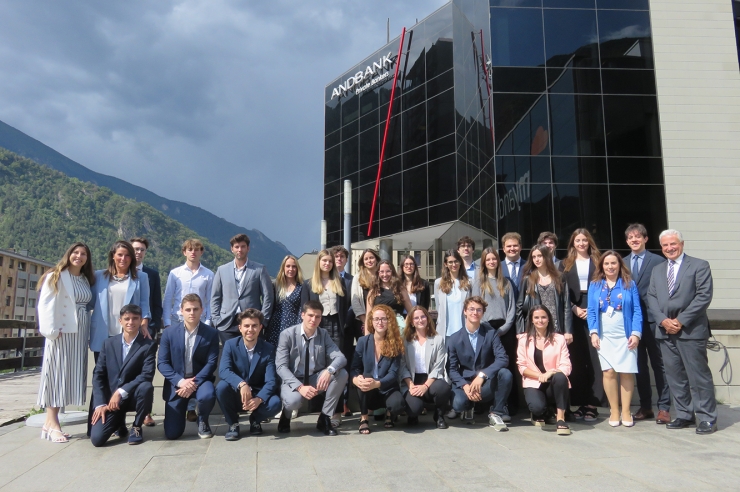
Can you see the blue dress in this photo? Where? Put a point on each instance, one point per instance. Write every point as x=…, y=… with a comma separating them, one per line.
x=287, y=313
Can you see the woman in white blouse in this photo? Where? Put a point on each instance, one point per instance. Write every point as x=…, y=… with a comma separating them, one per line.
x=450, y=292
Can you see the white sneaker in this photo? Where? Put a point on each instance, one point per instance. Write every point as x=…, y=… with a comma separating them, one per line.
x=294, y=414
x=468, y=415
x=497, y=422
x=277, y=415
x=451, y=414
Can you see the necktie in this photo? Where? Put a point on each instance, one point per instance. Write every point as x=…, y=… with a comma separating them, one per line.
x=671, y=277
x=512, y=270
x=635, y=265
x=306, y=360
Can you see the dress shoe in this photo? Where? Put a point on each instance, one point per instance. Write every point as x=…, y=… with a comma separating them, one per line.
x=663, y=417
x=679, y=424
x=706, y=427
x=149, y=421
x=233, y=433
x=192, y=416
x=643, y=414
x=255, y=428
x=135, y=437
x=324, y=424
x=284, y=424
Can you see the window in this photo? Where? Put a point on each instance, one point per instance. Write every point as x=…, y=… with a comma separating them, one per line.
x=30, y=318
x=10, y=282
x=21, y=282
x=22, y=266
x=34, y=269
x=7, y=301
x=31, y=303
x=33, y=284
x=20, y=301
x=12, y=263
x=1, y=260
x=7, y=316
x=19, y=317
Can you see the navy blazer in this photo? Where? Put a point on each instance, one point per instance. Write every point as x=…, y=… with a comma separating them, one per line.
x=465, y=364
x=155, y=297
x=112, y=373
x=649, y=262
x=517, y=282
x=364, y=363
x=259, y=374
x=171, y=358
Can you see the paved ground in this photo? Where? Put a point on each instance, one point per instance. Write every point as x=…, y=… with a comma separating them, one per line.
x=463, y=457
x=18, y=394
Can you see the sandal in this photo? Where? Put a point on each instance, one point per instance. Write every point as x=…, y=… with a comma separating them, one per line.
x=590, y=414
x=563, y=429
x=579, y=414
x=389, y=422
x=45, y=431
x=56, y=436
x=364, y=427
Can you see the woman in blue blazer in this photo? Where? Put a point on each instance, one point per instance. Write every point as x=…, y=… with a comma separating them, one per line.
x=615, y=323
x=376, y=366
x=118, y=285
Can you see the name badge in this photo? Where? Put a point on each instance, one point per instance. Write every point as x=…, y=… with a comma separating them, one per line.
x=610, y=311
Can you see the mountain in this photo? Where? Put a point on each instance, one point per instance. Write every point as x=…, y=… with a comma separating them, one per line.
x=44, y=211
x=217, y=230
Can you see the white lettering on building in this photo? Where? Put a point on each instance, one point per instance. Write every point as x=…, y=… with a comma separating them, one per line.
x=513, y=199
x=365, y=79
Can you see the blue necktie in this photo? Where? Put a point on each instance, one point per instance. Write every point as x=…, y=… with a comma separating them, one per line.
x=635, y=265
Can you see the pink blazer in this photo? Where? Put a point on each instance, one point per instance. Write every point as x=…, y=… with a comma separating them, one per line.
x=554, y=356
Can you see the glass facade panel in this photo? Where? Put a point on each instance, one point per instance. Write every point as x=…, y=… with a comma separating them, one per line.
x=569, y=4
x=517, y=79
x=577, y=124
x=623, y=4
x=632, y=126
x=516, y=38
x=624, y=39
x=570, y=38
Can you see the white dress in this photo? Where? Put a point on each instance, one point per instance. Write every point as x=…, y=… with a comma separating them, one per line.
x=614, y=353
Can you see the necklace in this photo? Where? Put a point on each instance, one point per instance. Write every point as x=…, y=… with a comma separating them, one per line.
x=120, y=278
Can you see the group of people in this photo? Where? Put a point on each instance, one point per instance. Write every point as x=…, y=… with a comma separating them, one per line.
x=571, y=333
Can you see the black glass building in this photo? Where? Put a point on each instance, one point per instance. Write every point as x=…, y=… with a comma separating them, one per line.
x=508, y=115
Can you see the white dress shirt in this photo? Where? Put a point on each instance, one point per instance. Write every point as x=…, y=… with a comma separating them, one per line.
x=126, y=349
x=182, y=281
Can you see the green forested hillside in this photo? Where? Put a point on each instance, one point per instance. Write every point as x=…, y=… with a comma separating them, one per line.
x=44, y=211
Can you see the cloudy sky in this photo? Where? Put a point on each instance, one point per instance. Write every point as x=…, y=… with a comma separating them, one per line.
x=213, y=102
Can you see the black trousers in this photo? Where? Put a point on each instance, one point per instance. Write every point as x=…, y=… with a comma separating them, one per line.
x=511, y=344
x=554, y=391
x=393, y=401
x=140, y=402
x=438, y=394
x=586, y=378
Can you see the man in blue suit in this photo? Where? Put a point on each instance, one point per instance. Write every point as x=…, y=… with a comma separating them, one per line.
x=122, y=381
x=248, y=376
x=188, y=355
x=513, y=264
x=478, y=367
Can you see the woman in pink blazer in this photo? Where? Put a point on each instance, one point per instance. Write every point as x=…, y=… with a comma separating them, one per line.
x=544, y=363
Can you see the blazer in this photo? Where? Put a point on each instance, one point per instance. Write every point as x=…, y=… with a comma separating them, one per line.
x=691, y=297
x=516, y=281
x=57, y=312
x=440, y=299
x=555, y=355
x=256, y=292
x=435, y=357
x=562, y=306
x=465, y=364
x=423, y=297
x=290, y=352
x=574, y=284
x=509, y=304
x=112, y=373
x=630, y=308
x=259, y=374
x=137, y=293
x=357, y=297
x=171, y=358
x=155, y=297
x=363, y=363
x=342, y=304
x=649, y=262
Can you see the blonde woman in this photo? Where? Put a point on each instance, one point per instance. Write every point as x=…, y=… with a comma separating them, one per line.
x=367, y=268
x=327, y=287
x=287, y=289
x=64, y=320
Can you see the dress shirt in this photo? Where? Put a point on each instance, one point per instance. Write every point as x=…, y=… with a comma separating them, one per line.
x=189, y=347
x=473, y=338
x=239, y=275
x=182, y=281
x=250, y=351
x=311, y=364
x=470, y=271
x=126, y=349
x=640, y=259
x=676, y=265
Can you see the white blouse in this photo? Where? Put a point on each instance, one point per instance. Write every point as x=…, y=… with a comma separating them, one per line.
x=419, y=358
x=582, y=266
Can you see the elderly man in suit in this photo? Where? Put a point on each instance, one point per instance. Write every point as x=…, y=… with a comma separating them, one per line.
x=680, y=293
x=641, y=263
x=309, y=363
x=248, y=378
x=122, y=381
x=478, y=367
x=238, y=286
x=188, y=355
x=513, y=264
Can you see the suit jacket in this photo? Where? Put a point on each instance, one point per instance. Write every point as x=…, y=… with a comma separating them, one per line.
x=57, y=312
x=171, y=358
x=574, y=284
x=630, y=308
x=465, y=363
x=424, y=297
x=256, y=292
x=347, y=277
x=562, y=307
x=649, y=262
x=290, y=353
x=155, y=297
x=137, y=293
x=555, y=355
x=363, y=363
x=440, y=299
x=342, y=304
x=691, y=298
x=516, y=281
x=435, y=357
x=259, y=374
x=112, y=373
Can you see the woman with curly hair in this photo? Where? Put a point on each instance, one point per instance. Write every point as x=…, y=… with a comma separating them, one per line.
x=388, y=289
x=376, y=367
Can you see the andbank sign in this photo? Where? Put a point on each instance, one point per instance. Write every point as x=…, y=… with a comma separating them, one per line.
x=375, y=74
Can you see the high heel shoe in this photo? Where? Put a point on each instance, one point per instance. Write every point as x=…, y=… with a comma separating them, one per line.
x=45, y=431
x=56, y=436
x=615, y=423
x=628, y=423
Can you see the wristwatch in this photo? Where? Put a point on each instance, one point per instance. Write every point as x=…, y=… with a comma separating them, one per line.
x=482, y=375
x=331, y=370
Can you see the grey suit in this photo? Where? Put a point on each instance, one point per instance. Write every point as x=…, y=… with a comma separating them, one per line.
x=290, y=363
x=255, y=291
x=685, y=353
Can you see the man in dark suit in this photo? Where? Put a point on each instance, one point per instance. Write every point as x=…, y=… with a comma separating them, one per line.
x=237, y=286
x=478, y=367
x=513, y=264
x=306, y=378
x=188, y=355
x=680, y=293
x=341, y=256
x=141, y=246
x=248, y=378
x=641, y=263
x=122, y=381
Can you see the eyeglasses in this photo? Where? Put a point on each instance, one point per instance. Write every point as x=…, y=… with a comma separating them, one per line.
x=380, y=321
x=419, y=317
x=475, y=310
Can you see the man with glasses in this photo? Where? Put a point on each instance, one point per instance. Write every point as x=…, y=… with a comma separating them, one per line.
x=478, y=367
x=466, y=248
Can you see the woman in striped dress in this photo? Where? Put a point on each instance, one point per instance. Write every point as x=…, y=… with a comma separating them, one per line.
x=65, y=322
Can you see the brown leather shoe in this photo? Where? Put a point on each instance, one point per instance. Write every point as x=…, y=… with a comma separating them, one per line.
x=644, y=413
x=192, y=416
x=663, y=417
x=149, y=421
